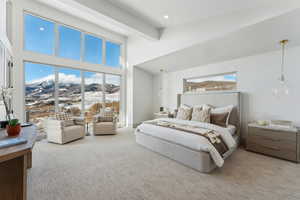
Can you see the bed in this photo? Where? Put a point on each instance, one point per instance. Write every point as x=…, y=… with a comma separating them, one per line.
x=182, y=147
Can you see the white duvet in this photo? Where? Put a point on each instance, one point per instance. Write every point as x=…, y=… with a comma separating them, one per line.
x=191, y=141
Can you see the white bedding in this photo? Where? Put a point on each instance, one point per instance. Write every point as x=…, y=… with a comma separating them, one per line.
x=192, y=141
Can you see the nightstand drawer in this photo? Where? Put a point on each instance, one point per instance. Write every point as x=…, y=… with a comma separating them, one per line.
x=273, y=134
x=272, y=151
x=276, y=143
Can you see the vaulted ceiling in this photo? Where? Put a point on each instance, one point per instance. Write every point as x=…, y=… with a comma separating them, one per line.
x=183, y=12
x=195, y=31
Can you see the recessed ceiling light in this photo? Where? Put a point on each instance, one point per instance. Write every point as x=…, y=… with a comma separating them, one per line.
x=42, y=28
x=166, y=16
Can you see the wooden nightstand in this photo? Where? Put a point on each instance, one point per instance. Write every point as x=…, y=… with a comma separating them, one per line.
x=278, y=142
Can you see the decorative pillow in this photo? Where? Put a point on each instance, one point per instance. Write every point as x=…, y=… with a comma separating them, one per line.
x=67, y=123
x=219, y=119
x=222, y=110
x=201, y=115
x=184, y=112
x=62, y=116
x=106, y=115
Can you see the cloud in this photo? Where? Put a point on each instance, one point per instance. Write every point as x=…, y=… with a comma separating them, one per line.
x=71, y=78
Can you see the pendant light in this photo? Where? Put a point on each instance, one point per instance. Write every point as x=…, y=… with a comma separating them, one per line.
x=282, y=87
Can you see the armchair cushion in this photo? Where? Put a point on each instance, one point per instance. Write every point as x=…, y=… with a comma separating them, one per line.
x=79, y=121
x=62, y=116
x=106, y=115
x=66, y=123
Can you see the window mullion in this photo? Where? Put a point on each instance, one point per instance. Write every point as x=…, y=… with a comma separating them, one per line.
x=82, y=49
x=104, y=51
x=56, y=49
x=82, y=92
x=103, y=90
x=56, y=89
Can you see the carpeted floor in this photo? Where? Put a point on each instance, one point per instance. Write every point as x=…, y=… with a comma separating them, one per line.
x=115, y=168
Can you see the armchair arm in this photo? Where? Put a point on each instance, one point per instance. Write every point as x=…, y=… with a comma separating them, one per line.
x=96, y=118
x=53, y=123
x=54, y=130
x=79, y=121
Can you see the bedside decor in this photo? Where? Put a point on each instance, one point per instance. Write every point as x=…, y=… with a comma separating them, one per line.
x=262, y=122
x=282, y=123
x=159, y=115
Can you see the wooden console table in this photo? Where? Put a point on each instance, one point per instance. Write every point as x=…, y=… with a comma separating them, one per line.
x=14, y=162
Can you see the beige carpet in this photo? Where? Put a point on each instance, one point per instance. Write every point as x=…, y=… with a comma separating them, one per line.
x=114, y=167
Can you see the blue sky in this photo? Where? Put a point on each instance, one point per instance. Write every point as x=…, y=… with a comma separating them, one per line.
x=40, y=38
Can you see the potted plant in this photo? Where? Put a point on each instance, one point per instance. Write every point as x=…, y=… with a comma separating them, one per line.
x=13, y=128
x=12, y=125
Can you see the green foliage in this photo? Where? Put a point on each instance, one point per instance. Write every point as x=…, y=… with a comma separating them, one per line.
x=13, y=122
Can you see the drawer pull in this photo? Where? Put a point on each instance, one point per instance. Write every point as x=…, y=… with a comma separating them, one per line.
x=271, y=148
x=271, y=139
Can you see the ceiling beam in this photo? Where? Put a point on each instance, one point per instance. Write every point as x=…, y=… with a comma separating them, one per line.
x=106, y=15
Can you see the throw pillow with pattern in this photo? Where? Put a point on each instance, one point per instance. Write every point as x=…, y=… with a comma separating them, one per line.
x=201, y=114
x=184, y=113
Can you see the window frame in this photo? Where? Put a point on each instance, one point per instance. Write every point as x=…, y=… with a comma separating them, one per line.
x=185, y=80
x=24, y=35
x=103, y=48
x=118, y=43
x=56, y=70
x=82, y=43
x=58, y=42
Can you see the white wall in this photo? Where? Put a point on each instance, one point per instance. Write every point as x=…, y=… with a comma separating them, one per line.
x=142, y=96
x=257, y=75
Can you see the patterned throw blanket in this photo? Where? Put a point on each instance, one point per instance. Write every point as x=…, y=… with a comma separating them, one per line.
x=212, y=136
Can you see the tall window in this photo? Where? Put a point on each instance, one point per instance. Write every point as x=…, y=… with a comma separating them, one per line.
x=69, y=91
x=69, y=43
x=113, y=54
x=39, y=91
x=93, y=91
x=39, y=35
x=112, y=91
x=93, y=49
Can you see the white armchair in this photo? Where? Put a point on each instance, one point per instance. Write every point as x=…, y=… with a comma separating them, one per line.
x=105, y=125
x=64, y=131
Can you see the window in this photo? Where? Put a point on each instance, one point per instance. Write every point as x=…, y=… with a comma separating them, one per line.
x=93, y=93
x=39, y=35
x=49, y=89
x=112, y=91
x=113, y=54
x=52, y=38
x=69, y=91
x=93, y=49
x=211, y=83
x=69, y=43
x=39, y=91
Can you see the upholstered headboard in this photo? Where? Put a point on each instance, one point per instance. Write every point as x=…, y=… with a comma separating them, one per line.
x=217, y=99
